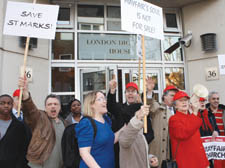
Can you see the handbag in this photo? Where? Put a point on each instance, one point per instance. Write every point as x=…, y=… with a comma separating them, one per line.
x=170, y=163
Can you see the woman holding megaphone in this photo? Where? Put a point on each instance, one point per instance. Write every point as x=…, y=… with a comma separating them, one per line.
x=187, y=148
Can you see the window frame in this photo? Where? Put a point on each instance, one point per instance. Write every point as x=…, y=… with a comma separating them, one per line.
x=170, y=29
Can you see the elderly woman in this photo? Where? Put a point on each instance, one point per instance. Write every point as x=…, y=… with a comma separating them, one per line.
x=187, y=146
x=96, y=151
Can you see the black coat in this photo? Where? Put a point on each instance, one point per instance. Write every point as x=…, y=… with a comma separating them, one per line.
x=212, y=118
x=13, y=146
x=70, y=151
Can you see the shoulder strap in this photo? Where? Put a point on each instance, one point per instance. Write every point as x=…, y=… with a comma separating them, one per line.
x=93, y=124
x=176, y=150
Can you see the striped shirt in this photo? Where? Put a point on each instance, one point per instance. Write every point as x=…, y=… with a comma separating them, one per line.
x=219, y=121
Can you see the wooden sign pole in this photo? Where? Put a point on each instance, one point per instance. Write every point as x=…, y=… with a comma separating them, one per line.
x=144, y=81
x=23, y=72
x=24, y=69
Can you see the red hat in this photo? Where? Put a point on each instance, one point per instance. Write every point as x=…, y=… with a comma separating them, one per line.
x=16, y=93
x=132, y=84
x=170, y=87
x=202, y=99
x=179, y=95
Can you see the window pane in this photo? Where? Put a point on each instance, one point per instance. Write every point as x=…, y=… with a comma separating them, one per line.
x=113, y=12
x=64, y=16
x=171, y=20
x=113, y=25
x=63, y=79
x=175, y=76
x=152, y=49
x=65, y=109
x=106, y=47
x=63, y=46
x=94, y=81
x=91, y=10
x=175, y=55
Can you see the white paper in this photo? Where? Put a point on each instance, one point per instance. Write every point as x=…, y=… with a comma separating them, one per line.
x=140, y=17
x=31, y=20
x=221, y=59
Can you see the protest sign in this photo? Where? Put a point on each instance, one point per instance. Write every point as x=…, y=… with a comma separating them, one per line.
x=140, y=17
x=31, y=20
x=215, y=149
x=221, y=59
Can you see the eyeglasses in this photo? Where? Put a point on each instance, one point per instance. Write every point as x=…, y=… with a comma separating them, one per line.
x=101, y=99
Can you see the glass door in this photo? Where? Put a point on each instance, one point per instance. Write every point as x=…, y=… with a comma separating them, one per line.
x=132, y=75
x=95, y=79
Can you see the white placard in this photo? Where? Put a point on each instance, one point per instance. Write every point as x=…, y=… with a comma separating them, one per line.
x=212, y=73
x=214, y=149
x=140, y=17
x=221, y=59
x=31, y=20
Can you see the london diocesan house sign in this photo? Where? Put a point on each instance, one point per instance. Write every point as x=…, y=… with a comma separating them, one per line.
x=107, y=47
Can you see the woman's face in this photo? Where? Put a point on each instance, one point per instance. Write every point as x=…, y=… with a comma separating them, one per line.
x=75, y=107
x=182, y=104
x=99, y=105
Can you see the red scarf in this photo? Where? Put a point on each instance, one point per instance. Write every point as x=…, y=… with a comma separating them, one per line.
x=206, y=119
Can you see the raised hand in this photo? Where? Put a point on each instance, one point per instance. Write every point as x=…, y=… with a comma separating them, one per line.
x=23, y=84
x=113, y=85
x=144, y=111
x=150, y=84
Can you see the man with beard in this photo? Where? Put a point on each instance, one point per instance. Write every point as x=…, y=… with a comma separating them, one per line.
x=47, y=128
x=13, y=138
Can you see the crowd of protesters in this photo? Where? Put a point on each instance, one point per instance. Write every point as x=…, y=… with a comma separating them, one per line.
x=104, y=133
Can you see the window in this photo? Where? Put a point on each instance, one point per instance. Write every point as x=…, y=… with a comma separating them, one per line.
x=91, y=11
x=63, y=46
x=113, y=18
x=171, y=21
x=175, y=55
x=62, y=79
x=65, y=17
x=175, y=77
x=91, y=17
x=152, y=49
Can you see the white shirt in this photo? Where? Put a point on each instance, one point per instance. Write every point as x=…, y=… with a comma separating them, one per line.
x=74, y=121
x=14, y=111
x=171, y=110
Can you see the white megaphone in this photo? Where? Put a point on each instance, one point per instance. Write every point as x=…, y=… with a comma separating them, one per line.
x=199, y=91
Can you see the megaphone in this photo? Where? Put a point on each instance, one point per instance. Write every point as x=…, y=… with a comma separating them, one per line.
x=200, y=91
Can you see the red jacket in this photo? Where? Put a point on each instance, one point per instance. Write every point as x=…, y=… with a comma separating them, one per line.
x=185, y=130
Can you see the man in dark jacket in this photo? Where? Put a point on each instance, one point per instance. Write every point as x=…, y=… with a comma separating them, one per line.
x=123, y=112
x=13, y=137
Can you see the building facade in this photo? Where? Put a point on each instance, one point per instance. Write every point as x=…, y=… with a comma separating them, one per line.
x=90, y=47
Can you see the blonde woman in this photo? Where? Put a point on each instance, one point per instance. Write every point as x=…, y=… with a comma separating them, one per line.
x=96, y=151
